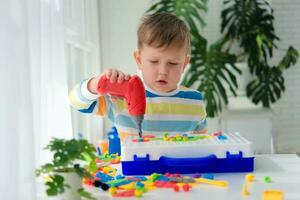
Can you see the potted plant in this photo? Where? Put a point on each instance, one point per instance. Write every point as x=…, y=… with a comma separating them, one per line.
x=72, y=160
x=247, y=24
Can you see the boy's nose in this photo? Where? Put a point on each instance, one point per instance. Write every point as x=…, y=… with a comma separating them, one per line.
x=163, y=70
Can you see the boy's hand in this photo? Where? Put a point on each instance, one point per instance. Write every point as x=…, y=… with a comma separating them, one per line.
x=112, y=74
x=116, y=76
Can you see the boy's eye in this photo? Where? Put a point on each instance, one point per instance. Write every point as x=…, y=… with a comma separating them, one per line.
x=173, y=63
x=154, y=61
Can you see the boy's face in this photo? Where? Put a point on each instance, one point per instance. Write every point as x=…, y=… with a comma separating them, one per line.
x=162, y=67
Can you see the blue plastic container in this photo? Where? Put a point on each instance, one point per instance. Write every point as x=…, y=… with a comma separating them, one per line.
x=114, y=143
x=208, y=164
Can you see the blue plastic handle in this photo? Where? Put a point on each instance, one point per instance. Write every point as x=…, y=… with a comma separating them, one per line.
x=189, y=162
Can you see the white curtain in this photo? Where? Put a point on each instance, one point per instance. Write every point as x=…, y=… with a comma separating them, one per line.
x=33, y=88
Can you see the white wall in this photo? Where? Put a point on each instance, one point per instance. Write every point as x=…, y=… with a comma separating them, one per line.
x=119, y=20
x=287, y=110
x=118, y=26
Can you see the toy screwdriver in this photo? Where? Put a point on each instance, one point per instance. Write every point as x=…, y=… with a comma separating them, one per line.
x=132, y=91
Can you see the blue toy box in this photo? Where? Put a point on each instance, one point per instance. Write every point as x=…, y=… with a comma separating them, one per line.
x=207, y=154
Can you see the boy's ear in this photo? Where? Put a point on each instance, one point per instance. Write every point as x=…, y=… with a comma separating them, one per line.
x=137, y=58
x=186, y=62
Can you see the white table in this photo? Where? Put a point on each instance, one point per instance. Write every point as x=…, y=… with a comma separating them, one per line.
x=284, y=170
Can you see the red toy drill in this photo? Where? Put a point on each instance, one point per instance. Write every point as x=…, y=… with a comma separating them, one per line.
x=132, y=91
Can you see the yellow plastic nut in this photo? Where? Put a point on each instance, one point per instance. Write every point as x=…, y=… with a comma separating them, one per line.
x=272, y=195
x=249, y=177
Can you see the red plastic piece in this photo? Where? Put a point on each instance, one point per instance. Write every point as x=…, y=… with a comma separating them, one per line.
x=127, y=193
x=164, y=184
x=176, y=175
x=218, y=133
x=133, y=178
x=167, y=174
x=176, y=188
x=186, y=187
x=88, y=182
x=149, y=136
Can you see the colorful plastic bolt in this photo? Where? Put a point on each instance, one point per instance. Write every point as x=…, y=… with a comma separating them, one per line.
x=163, y=184
x=212, y=182
x=208, y=176
x=222, y=137
x=120, y=176
x=245, y=190
x=128, y=193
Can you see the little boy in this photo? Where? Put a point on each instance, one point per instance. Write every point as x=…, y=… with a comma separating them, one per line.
x=162, y=56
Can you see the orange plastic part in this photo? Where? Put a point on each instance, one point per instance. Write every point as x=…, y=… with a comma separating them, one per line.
x=103, y=146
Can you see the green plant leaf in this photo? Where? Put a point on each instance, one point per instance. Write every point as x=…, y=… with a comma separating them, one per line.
x=85, y=194
x=289, y=59
x=187, y=10
x=52, y=191
x=93, y=167
x=44, y=169
x=55, y=186
x=251, y=23
x=267, y=88
x=86, y=156
x=82, y=172
x=212, y=77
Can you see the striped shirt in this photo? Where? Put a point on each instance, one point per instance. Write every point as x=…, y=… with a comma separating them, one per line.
x=180, y=111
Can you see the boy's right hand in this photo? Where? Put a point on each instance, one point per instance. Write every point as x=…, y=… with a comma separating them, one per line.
x=112, y=74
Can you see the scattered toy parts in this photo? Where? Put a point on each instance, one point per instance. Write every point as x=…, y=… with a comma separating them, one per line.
x=135, y=186
x=180, y=137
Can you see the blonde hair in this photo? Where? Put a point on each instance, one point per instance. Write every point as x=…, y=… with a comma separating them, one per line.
x=163, y=30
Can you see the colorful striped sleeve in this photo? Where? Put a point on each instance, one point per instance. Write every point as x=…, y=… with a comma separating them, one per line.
x=86, y=102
